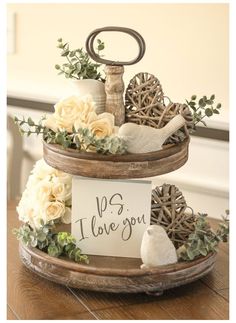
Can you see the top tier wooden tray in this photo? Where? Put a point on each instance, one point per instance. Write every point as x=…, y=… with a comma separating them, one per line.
x=170, y=158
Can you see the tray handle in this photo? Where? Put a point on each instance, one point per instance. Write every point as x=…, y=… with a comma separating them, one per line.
x=91, y=37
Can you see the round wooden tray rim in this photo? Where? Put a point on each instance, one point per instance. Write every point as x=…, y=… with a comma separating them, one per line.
x=168, y=150
x=116, y=275
x=83, y=268
x=125, y=166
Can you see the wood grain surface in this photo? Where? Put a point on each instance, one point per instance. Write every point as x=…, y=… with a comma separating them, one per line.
x=114, y=87
x=115, y=274
x=33, y=297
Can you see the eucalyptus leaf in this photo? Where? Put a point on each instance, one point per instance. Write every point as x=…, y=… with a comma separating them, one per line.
x=203, y=251
x=30, y=122
x=101, y=47
x=41, y=236
x=190, y=254
x=208, y=112
x=65, y=53
x=53, y=251
x=209, y=102
x=202, y=103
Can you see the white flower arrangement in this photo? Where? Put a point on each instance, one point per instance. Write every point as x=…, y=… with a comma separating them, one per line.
x=75, y=124
x=79, y=112
x=47, y=197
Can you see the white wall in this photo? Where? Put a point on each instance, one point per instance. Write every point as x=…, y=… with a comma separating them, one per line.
x=187, y=45
x=187, y=49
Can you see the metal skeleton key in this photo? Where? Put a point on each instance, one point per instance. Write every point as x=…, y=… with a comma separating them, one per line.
x=114, y=85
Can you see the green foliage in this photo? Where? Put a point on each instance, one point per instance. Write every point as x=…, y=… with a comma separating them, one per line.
x=28, y=127
x=204, y=107
x=82, y=139
x=204, y=240
x=78, y=64
x=54, y=243
x=223, y=230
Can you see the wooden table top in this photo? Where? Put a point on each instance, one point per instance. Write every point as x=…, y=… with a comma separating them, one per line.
x=32, y=297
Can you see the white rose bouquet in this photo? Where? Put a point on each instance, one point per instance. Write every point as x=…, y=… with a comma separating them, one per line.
x=75, y=124
x=45, y=203
x=47, y=197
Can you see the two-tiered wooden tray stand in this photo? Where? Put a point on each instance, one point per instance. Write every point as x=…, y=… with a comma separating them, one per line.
x=116, y=274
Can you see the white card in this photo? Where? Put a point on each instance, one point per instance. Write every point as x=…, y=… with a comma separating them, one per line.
x=109, y=217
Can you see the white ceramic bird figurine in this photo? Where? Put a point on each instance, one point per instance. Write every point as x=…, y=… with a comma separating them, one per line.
x=156, y=248
x=144, y=139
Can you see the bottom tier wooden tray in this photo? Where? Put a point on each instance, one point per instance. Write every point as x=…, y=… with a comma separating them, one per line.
x=113, y=274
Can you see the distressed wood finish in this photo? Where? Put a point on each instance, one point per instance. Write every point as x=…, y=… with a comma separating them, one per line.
x=30, y=296
x=115, y=274
x=95, y=165
x=114, y=87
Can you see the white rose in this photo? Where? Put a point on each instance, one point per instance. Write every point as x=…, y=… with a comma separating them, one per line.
x=42, y=169
x=32, y=181
x=66, y=218
x=85, y=119
x=35, y=217
x=62, y=177
x=53, y=210
x=73, y=110
x=50, y=123
x=29, y=211
x=61, y=191
x=45, y=185
x=104, y=125
x=43, y=191
x=23, y=208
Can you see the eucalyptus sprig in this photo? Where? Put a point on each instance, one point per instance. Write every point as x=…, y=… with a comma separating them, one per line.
x=54, y=243
x=85, y=140
x=204, y=107
x=204, y=240
x=78, y=64
x=82, y=139
x=28, y=126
